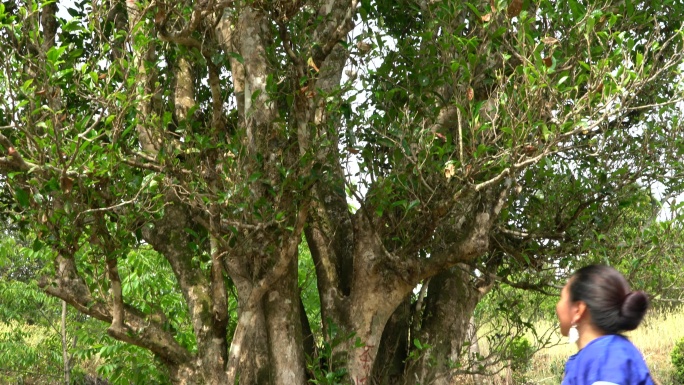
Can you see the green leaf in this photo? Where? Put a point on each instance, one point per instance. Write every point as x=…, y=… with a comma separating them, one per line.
x=37, y=245
x=545, y=132
x=26, y=85
x=109, y=120
x=55, y=53
x=474, y=9
x=22, y=197
x=629, y=8
x=424, y=80
x=413, y=204
x=237, y=57
x=254, y=177
x=255, y=95
x=590, y=25
x=64, y=73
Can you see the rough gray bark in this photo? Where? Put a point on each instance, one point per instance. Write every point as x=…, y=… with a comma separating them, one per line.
x=148, y=138
x=249, y=356
x=374, y=297
x=170, y=237
x=284, y=326
x=450, y=302
x=394, y=347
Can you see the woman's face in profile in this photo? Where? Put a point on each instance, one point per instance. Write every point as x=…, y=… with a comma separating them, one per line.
x=565, y=309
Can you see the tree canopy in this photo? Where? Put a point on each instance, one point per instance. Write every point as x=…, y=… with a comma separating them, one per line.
x=425, y=150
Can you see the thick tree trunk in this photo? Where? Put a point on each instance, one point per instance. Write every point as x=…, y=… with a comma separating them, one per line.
x=284, y=325
x=204, y=293
x=450, y=302
x=249, y=358
x=369, y=314
x=185, y=375
x=394, y=346
x=267, y=347
x=375, y=295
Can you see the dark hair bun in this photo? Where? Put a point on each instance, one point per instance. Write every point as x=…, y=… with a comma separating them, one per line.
x=633, y=309
x=613, y=306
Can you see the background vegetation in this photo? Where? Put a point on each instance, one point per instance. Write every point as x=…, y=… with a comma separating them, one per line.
x=273, y=192
x=31, y=349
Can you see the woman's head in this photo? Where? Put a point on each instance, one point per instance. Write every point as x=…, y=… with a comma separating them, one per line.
x=605, y=293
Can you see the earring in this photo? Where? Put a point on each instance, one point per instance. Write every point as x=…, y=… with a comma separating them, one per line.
x=573, y=334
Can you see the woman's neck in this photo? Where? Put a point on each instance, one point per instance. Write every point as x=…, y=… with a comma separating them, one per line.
x=587, y=333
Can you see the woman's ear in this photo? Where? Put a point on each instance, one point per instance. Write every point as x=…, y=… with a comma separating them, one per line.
x=579, y=312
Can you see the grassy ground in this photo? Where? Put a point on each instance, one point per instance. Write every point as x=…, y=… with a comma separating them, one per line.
x=655, y=338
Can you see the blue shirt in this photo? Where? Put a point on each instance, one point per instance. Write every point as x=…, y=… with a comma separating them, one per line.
x=608, y=360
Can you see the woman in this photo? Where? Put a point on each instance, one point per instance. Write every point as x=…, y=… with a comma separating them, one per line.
x=596, y=305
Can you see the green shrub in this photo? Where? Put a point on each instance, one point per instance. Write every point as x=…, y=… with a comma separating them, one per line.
x=678, y=361
x=520, y=352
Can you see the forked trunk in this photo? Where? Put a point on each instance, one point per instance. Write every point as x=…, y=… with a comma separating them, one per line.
x=449, y=305
x=374, y=297
x=267, y=347
x=249, y=360
x=390, y=362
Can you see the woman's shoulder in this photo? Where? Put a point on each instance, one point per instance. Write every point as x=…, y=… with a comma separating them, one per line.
x=613, y=359
x=612, y=342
